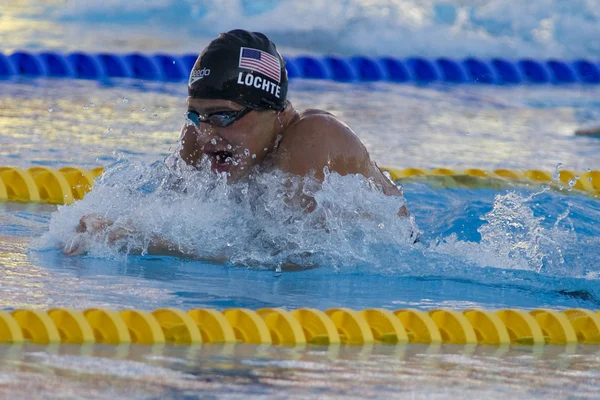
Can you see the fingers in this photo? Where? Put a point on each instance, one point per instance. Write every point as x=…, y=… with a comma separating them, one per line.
x=81, y=226
x=96, y=228
x=89, y=224
x=99, y=224
x=93, y=223
x=77, y=246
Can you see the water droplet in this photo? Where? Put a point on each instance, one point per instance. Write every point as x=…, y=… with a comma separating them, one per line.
x=245, y=191
x=590, y=179
x=85, y=107
x=92, y=104
x=109, y=130
x=246, y=152
x=228, y=244
x=556, y=175
x=577, y=177
x=173, y=62
x=143, y=108
x=266, y=149
x=381, y=225
x=588, y=170
x=125, y=100
x=559, y=166
x=253, y=155
x=572, y=183
x=50, y=109
x=228, y=147
x=213, y=141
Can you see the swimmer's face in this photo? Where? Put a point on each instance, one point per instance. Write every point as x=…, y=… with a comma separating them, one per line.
x=235, y=148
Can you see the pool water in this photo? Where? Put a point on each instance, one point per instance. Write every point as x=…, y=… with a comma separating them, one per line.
x=415, y=371
x=520, y=246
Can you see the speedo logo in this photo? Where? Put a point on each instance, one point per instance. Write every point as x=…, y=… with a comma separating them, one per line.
x=198, y=74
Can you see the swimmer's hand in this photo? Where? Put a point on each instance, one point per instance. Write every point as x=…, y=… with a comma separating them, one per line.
x=94, y=227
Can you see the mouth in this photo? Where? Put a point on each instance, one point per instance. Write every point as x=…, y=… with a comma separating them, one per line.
x=221, y=160
x=222, y=157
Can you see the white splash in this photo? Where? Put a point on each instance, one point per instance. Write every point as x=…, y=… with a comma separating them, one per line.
x=514, y=238
x=484, y=28
x=251, y=223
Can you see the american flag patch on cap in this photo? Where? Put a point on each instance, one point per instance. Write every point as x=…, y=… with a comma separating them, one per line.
x=260, y=61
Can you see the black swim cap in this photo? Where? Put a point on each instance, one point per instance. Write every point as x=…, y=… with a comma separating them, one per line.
x=241, y=66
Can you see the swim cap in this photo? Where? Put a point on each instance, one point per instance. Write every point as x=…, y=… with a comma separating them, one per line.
x=241, y=66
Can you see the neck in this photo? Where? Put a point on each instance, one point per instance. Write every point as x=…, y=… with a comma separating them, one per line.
x=283, y=122
x=288, y=117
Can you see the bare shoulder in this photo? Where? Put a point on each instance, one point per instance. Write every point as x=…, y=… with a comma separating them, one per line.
x=319, y=139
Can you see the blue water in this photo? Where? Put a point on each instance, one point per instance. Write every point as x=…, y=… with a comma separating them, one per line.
x=452, y=267
x=516, y=246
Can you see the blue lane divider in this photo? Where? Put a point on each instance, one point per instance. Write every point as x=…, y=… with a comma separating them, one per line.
x=508, y=73
x=114, y=66
x=451, y=70
x=562, y=71
x=85, y=66
x=166, y=67
x=423, y=70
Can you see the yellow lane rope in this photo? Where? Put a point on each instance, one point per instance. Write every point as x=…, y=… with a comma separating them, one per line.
x=276, y=326
x=65, y=185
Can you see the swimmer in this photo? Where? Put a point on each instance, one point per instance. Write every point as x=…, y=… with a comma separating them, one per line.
x=240, y=120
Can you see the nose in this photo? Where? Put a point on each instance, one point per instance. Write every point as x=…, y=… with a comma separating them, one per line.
x=207, y=135
x=205, y=132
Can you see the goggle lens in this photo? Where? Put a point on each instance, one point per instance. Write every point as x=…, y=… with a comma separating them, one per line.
x=220, y=118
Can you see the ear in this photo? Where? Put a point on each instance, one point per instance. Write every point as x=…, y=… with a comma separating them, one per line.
x=278, y=122
x=282, y=116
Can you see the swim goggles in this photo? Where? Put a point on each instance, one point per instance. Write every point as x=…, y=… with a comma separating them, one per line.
x=220, y=119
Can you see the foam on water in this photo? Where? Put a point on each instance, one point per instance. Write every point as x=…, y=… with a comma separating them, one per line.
x=252, y=223
x=248, y=223
x=537, y=28
x=514, y=238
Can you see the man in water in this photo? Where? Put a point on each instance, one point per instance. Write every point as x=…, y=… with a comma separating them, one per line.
x=239, y=119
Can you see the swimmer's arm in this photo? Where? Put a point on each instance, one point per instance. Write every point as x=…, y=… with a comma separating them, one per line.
x=93, y=227
x=164, y=247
